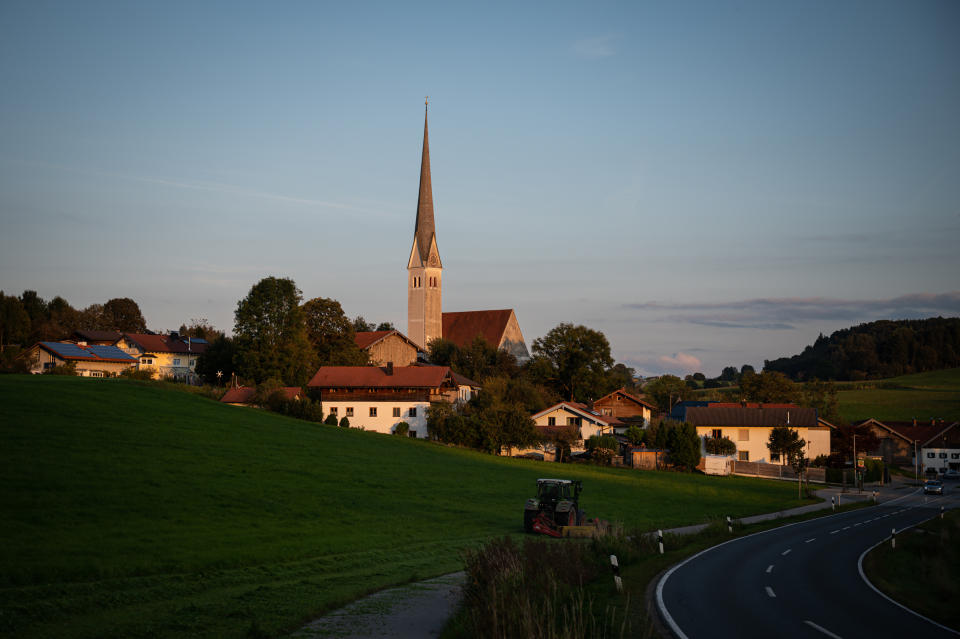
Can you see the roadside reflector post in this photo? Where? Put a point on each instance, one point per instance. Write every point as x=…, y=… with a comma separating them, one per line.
x=893, y=538
x=833, y=503
x=615, y=566
x=660, y=540
x=729, y=525
x=874, y=496
x=941, y=512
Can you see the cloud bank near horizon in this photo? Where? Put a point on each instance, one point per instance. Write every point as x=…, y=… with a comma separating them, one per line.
x=775, y=314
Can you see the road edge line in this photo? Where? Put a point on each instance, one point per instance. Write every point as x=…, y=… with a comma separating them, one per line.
x=863, y=576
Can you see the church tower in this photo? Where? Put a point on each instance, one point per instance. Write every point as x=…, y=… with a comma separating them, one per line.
x=424, y=269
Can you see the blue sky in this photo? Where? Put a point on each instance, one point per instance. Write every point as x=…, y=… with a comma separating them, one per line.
x=707, y=183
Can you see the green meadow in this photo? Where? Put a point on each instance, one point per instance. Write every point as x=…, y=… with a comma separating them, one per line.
x=133, y=510
x=926, y=396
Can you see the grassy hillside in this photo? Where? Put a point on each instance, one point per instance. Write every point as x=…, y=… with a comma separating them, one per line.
x=133, y=510
x=924, y=395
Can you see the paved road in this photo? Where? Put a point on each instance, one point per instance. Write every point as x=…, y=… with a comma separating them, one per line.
x=800, y=580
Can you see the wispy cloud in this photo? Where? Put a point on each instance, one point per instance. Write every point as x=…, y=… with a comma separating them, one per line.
x=783, y=313
x=595, y=48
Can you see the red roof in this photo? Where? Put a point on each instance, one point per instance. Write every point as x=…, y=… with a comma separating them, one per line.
x=377, y=377
x=737, y=415
x=164, y=344
x=241, y=395
x=583, y=410
x=244, y=394
x=463, y=327
x=921, y=433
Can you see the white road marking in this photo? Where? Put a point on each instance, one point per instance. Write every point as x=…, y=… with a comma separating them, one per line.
x=834, y=532
x=771, y=593
x=846, y=527
x=857, y=524
x=809, y=540
x=786, y=552
x=769, y=569
x=822, y=629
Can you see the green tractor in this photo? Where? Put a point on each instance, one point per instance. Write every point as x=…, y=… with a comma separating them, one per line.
x=557, y=504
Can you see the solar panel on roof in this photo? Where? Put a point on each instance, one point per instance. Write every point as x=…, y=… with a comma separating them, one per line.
x=66, y=349
x=109, y=352
x=198, y=340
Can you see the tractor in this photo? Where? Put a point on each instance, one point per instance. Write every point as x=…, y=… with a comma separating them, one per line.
x=556, y=505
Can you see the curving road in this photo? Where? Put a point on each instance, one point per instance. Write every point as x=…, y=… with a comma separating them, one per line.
x=799, y=580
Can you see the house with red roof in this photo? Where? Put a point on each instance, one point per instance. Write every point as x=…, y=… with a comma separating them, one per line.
x=936, y=443
x=384, y=347
x=378, y=398
x=94, y=360
x=172, y=355
x=625, y=406
x=243, y=395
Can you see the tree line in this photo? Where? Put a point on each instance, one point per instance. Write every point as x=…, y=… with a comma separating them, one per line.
x=876, y=350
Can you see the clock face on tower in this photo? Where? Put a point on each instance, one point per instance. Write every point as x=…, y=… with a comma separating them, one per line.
x=434, y=261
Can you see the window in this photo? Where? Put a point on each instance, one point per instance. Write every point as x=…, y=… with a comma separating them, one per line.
x=333, y=410
x=954, y=455
x=396, y=411
x=413, y=412
x=551, y=421
x=349, y=411
x=176, y=361
x=192, y=363
x=146, y=360
x=943, y=455
x=717, y=433
x=743, y=434
x=573, y=421
x=743, y=455
x=413, y=434
x=373, y=411
x=97, y=374
x=931, y=455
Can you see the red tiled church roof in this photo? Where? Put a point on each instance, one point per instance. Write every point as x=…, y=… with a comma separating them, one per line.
x=463, y=327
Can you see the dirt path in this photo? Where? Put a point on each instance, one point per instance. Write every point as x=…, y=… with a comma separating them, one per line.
x=412, y=611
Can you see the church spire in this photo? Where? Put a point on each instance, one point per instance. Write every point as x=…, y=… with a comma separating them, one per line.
x=425, y=229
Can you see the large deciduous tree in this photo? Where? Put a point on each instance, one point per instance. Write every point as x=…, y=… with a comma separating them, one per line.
x=270, y=334
x=666, y=390
x=332, y=334
x=122, y=314
x=14, y=321
x=768, y=386
x=576, y=360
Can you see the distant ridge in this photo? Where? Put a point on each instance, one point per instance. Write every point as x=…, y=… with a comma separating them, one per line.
x=886, y=348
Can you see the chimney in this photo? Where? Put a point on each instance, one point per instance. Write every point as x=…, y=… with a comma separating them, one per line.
x=389, y=368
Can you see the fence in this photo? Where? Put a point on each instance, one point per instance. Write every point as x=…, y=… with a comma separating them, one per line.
x=776, y=471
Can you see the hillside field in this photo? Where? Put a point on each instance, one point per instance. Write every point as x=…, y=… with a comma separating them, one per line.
x=923, y=395
x=133, y=510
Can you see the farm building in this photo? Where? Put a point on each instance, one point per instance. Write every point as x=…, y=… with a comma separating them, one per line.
x=624, y=405
x=385, y=347
x=90, y=361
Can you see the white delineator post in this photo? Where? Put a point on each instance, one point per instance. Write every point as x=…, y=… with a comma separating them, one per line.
x=616, y=573
x=833, y=503
x=660, y=540
x=729, y=525
x=893, y=538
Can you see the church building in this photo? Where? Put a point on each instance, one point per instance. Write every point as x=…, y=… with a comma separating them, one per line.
x=426, y=320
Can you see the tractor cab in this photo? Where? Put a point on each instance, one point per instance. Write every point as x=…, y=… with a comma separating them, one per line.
x=558, y=500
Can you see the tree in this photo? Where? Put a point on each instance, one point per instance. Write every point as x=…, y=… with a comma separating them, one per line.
x=785, y=443
x=62, y=320
x=217, y=358
x=729, y=374
x=401, y=429
x=386, y=326
x=823, y=397
x=200, y=328
x=665, y=391
x=576, y=361
x=720, y=446
x=35, y=306
x=767, y=387
x=361, y=325
x=331, y=419
x=331, y=334
x=344, y=422
x=635, y=434
x=14, y=321
x=270, y=334
x=842, y=439
x=442, y=352
x=747, y=368
x=685, y=447
x=123, y=315
x=91, y=318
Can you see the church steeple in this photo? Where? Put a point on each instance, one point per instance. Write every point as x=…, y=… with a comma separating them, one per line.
x=425, y=230
x=424, y=269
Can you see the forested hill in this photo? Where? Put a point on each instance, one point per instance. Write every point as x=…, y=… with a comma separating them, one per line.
x=876, y=350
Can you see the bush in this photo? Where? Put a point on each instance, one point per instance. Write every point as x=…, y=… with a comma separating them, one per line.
x=70, y=368
x=344, y=422
x=331, y=419
x=141, y=374
x=720, y=446
x=401, y=429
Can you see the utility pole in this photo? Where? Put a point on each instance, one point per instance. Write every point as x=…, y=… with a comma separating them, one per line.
x=856, y=468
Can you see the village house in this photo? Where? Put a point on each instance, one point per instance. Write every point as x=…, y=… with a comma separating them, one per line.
x=101, y=338
x=95, y=360
x=569, y=422
x=378, y=398
x=168, y=356
x=937, y=443
x=626, y=407
x=387, y=346
x=749, y=425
